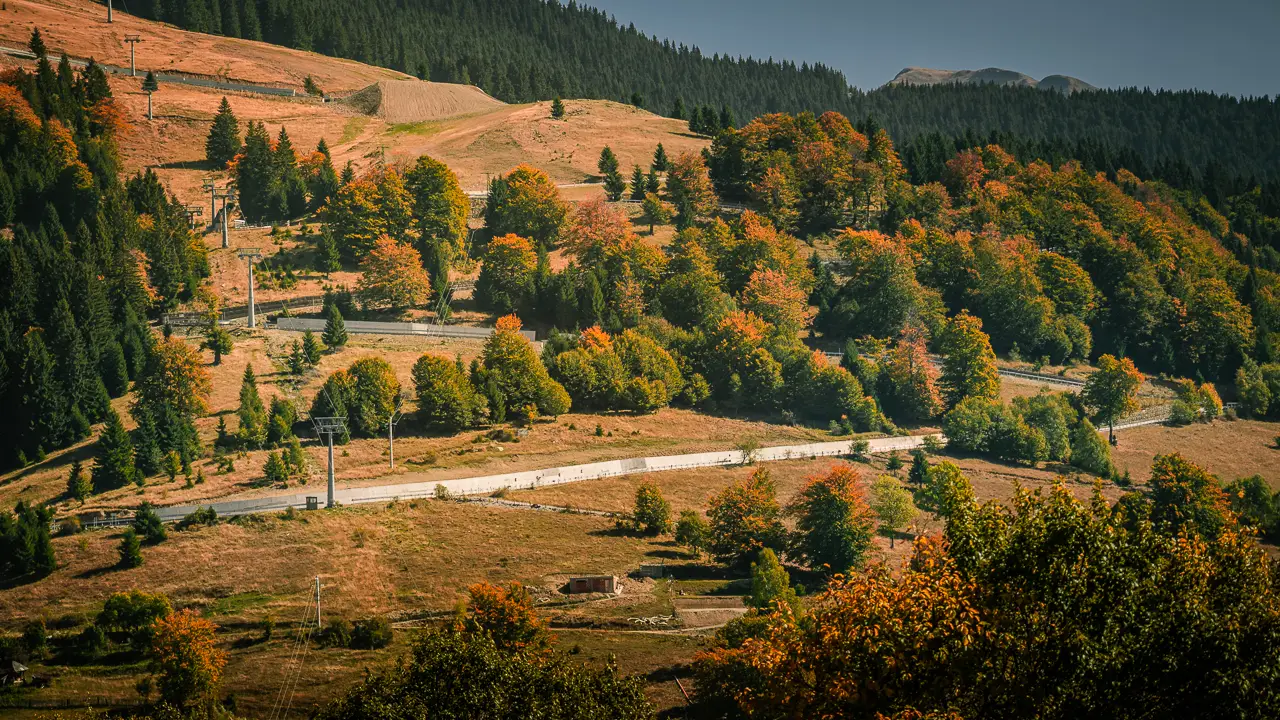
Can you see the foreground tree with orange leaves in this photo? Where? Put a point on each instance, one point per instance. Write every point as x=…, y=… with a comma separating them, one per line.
x=185, y=658
x=834, y=524
x=1050, y=608
x=392, y=276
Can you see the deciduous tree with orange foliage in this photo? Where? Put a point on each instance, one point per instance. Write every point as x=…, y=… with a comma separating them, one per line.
x=689, y=188
x=908, y=381
x=186, y=659
x=772, y=296
x=834, y=523
x=507, y=616
x=525, y=202
x=392, y=276
x=1051, y=608
x=597, y=230
x=746, y=517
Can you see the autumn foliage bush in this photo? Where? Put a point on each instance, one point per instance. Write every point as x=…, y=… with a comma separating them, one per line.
x=1050, y=607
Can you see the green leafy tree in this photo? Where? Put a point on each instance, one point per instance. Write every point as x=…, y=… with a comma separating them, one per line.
x=446, y=398
x=1253, y=390
x=517, y=374
x=656, y=212
x=692, y=531
x=1186, y=496
x=969, y=363
x=451, y=673
x=652, y=514
x=770, y=583
x=223, y=143
x=440, y=210
x=893, y=505
x=1111, y=391
x=1089, y=451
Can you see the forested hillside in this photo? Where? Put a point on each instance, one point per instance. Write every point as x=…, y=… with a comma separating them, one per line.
x=524, y=50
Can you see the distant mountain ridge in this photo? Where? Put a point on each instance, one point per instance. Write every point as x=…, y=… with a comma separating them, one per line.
x=989, y=76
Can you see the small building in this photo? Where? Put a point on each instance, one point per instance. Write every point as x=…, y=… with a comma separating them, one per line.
x=12, y=672
x=593, y=584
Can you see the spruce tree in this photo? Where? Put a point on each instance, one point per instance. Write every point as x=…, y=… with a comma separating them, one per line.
x=348, y=173
x=614, y=184
x=130, y=549
x=557, y=108
x=335, y=329
x=223, y=143
x=310, y=348
x=113, y=463
x=327, y=258
x=252, y=413
x=660, y=161
x=78, y=485
x=638, y=183
x=43, y=413
x=651, y=183
x=677, y=110
x=147, y=524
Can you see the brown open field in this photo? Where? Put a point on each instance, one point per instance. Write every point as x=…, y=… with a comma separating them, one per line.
x=404, y=559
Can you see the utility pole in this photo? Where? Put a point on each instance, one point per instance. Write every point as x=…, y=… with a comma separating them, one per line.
x=329, y=426
x=394, y=418
x=133, y=41
x=253, y=255
x=317, y=602
x=109, y=18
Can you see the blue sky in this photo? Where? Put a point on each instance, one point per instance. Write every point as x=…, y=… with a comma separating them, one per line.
x=1228, y=46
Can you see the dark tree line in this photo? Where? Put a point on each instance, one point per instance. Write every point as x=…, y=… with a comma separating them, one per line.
x=83, y=261
x=525, y=50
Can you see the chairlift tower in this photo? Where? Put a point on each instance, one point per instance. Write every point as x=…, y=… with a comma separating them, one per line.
x=212, y=186
x=252, y=255
x=329, y=426
x=193, y=211
x=133, y=41
x=109, y=17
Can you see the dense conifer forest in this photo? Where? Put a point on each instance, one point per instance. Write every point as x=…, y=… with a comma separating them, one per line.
x=526, y=50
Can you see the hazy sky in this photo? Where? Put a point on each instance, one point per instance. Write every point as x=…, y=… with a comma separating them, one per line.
x=1229, y=46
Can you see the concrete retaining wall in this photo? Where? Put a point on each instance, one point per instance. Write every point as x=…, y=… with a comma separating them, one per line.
x=531, y=479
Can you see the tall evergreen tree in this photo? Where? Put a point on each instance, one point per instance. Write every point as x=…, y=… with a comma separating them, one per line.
x=639, y=183
x=252, y=413
x=335, y=329
x=113, y=462
x=660, y=162
x=223, y=143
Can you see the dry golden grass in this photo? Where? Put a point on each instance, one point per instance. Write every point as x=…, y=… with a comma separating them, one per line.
x=1229, y=450
x=403, y=559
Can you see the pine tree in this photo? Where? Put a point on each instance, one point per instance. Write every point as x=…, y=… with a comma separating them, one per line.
x=130, y=549
x=147, y=524
x=677, y=110
x=651, y=183
x=660, y=161
x=608, y=162
x=43, y=413
x=78, y=485
x=327, y=258
x=223, y=143
x=217, y=340
x=252, y=413
x=310, y=348
x=638, y=183
x=113, y=463
x=348, y=173
x=557, y=108
x=335, y=329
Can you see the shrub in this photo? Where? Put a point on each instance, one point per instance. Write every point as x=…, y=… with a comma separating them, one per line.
x=371, y=633
x=199, y=516
x=133, y=613
x=336, y=633
x=148, y=526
